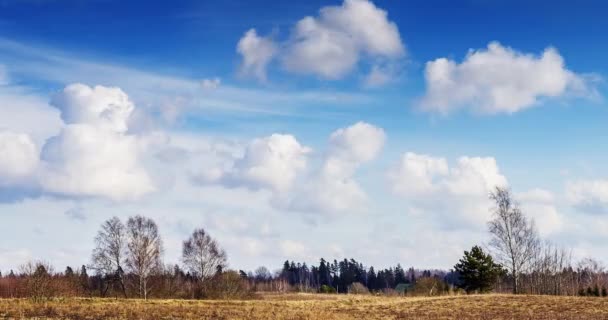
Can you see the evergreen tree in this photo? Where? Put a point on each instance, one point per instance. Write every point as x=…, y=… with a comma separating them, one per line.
x=478, y=271
x=400, y=275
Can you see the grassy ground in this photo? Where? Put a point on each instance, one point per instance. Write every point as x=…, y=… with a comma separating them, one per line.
x=307, y=306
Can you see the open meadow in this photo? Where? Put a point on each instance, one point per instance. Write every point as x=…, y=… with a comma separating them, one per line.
x=313, y=306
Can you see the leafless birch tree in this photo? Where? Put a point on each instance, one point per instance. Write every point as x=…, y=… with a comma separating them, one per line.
x=202, y=255
x=110, y=250
x=514, y=237
x=144, y=250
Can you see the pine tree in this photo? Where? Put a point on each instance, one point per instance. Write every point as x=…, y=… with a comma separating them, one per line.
x=477, y=270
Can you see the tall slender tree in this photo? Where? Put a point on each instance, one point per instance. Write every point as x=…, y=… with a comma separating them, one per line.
x=514, y=237
x=110, y=252
x=144, y=249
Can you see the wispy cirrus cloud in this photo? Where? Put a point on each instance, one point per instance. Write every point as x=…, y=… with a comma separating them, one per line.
x=162, y=93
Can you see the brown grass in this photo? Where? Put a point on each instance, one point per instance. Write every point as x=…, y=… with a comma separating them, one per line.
x=310, y=306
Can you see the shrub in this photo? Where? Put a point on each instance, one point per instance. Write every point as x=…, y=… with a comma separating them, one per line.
x=430, y=286
x=327, y=289
x=357, y=288
x=227, y=285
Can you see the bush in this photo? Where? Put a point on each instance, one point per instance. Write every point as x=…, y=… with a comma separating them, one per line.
x=327, y=289
x=357, y=288
x=430, y=286
x=227, y=285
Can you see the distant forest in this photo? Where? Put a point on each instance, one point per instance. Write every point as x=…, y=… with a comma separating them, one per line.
x=127, y=263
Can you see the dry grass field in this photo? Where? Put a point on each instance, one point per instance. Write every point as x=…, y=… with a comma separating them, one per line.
x=308, y=306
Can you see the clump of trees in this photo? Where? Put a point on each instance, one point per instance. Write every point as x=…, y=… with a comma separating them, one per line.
x=127, y=262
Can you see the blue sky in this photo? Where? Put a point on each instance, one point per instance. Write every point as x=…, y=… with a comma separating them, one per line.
x=300, y=130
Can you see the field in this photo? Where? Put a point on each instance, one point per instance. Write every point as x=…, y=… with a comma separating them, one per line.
x=308, y=306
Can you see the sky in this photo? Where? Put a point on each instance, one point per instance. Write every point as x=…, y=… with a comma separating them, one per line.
x=299, y=130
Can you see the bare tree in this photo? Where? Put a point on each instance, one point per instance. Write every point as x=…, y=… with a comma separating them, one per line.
x=39, y=280
x=144, y=249
x=514, y=237
x=202, y=255
x=110, y=250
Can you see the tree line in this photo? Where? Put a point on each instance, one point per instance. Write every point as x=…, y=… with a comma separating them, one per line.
x=126, y=262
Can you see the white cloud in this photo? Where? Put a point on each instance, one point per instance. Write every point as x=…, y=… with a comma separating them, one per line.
x=333, y=189
x=93, y=155
x=417, y=174
x=358, y=143
x=18, y=157
x=84, y=160
x=588, y=195
x=461, y=192
x=257, y=52
x=107, y=107
x=272, y=162
x=279, y=164
x=332, y=44
x=498, y=80
x=211, y=84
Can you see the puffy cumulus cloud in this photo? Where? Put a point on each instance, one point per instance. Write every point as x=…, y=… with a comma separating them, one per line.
x=18, y=157
x=333, y=189
x=332, y=44
x=588, y=195
x=417, y=174
x=107, y=107
x=85, y=160
x=211, y=84
x=358, y=143
x=431, y=186
x=271, y=163
x=256, y=52
x=93, y=156
x=498, y=80
x=475, y=175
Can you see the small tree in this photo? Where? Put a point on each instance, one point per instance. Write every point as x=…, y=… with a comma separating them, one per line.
x=144, y=249
x=39, y=280
x=202, y=255
x=110, y=251
x=477, y=270
x=514, y=237
x=358, y=288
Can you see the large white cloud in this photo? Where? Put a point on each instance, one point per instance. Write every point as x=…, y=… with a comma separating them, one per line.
x=280, y=164
x=458, y=193
x=498, y=80
x=271, y=163
x=257, y=52
x=18, y=157
x=93, y=155
x=107, y=107
x=588, y=195
x=332, y=44
x=84, y=160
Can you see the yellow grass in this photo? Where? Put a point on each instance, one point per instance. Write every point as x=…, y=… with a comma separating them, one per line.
x=311, y=306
